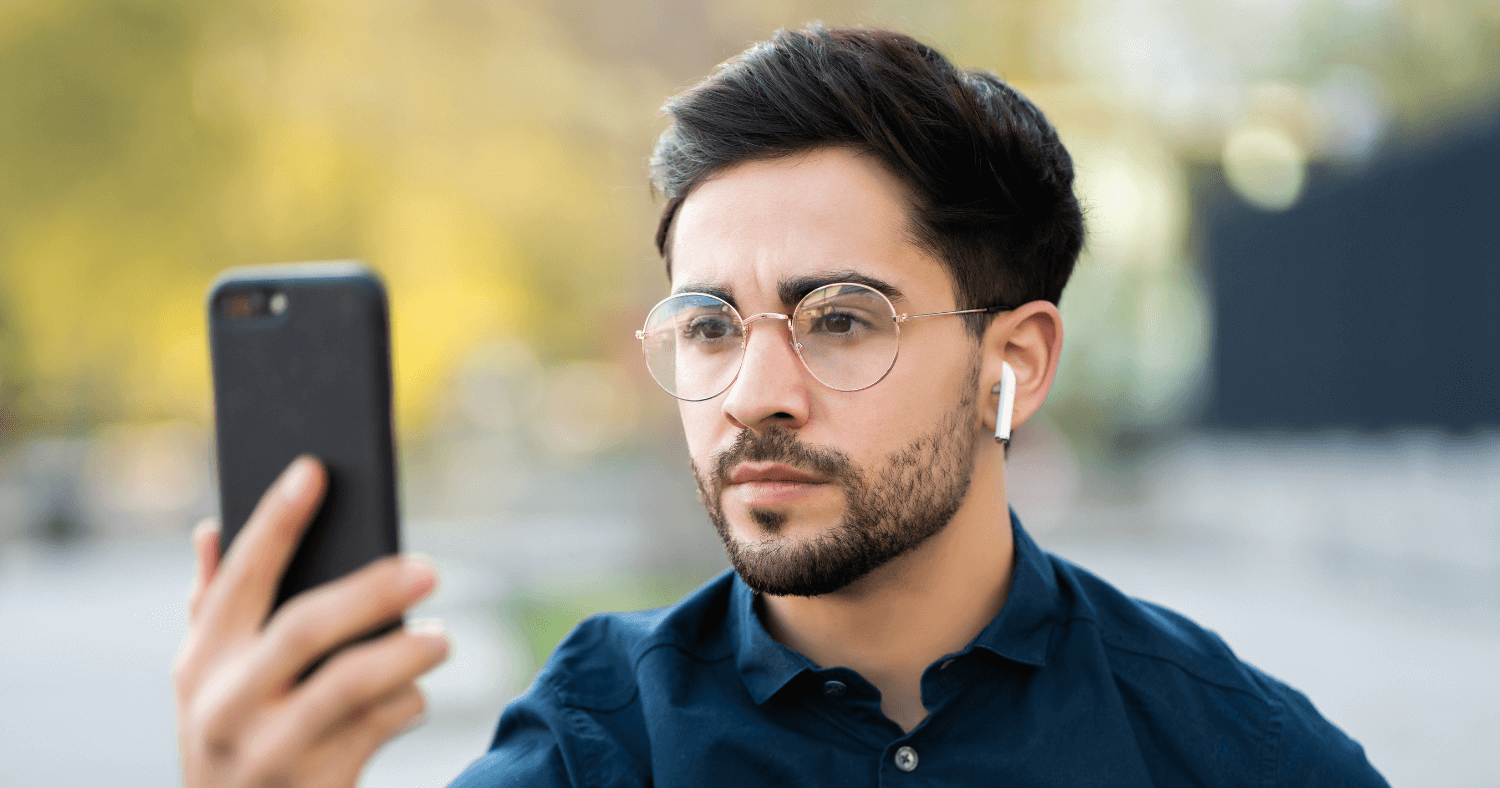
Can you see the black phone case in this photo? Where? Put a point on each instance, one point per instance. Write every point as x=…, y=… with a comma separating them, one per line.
x=315, y=379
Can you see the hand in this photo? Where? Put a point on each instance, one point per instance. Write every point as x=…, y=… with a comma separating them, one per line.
x=243, y=720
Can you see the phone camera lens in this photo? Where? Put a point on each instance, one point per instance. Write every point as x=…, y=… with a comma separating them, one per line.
x=238, y=306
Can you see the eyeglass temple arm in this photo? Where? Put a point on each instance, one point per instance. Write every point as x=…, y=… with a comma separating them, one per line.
x=987, y=310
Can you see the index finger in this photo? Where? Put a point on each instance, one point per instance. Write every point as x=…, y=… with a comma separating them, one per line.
x=240, y=595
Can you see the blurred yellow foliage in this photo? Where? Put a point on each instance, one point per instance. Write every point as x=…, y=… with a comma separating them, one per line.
x=464, y=149
x=489, y=158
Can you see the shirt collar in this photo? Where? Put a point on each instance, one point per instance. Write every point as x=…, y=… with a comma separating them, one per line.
x=1020, y=632
x=764, y=664
x=1023, y=628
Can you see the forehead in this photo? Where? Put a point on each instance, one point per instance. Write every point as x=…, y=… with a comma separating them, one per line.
x=830, y=214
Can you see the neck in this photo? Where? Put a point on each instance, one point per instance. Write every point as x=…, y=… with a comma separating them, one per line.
x=895, y=622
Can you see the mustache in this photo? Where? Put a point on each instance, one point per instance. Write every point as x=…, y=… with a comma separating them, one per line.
x=780, y=445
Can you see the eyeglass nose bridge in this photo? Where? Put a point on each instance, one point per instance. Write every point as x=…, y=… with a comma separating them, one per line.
x=790, y=327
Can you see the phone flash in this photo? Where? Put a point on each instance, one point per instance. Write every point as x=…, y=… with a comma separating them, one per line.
x=278, y=303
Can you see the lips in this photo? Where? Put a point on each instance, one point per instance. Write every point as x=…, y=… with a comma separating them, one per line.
x=762, y=485
x=750, y=472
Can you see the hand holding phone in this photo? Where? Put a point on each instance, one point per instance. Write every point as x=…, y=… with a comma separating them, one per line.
x=243, y=718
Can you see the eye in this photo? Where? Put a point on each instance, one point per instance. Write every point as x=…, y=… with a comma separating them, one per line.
x=707, y=328
x=836, y=323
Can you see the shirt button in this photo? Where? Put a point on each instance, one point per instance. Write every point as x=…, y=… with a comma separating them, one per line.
x=906, y=759
x=835, y=688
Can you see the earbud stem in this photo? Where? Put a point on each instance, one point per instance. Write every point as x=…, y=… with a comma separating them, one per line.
x=1006, y=388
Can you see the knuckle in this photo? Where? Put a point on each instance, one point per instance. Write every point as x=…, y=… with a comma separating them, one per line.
x=275, y=774
x=219, y=726
x=267, y=764
x=408, y=698
x=184, y=675
x=218, y=744
x=368, y=671
x=297, y=632
x=190, y=666
x=396, y=713
x=347, y=681
x=347, y=675
x=219, y=749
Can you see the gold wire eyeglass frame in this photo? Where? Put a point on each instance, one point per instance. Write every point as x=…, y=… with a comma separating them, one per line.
x=745, y=322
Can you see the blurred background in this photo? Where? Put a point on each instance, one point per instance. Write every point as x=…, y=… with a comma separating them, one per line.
x=1278, y=410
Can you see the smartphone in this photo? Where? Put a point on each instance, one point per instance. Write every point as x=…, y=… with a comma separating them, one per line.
x=301, y=365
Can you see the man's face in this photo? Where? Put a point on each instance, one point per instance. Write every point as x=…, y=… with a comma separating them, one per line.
x=812, y=488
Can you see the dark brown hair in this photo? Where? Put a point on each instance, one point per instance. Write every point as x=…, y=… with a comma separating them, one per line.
x=992, y=186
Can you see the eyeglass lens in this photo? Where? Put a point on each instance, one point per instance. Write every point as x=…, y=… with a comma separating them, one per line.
x=846, y=335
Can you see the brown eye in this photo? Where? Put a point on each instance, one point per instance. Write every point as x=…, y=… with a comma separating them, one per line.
x=707, y=329
x=837, y=324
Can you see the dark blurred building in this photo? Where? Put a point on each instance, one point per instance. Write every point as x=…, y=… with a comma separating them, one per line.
x=1373, y=303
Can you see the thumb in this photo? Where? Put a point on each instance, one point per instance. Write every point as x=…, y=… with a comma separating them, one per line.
x=206, y=548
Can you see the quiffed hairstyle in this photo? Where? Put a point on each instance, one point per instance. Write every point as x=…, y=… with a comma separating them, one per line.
x=992, y=187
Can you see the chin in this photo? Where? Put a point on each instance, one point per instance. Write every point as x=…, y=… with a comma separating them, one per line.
x=779, y=527
x=778, y=554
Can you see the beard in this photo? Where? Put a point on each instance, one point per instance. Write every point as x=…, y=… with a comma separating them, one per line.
x=887, y=513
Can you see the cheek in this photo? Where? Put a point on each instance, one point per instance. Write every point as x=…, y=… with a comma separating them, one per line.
x=702, y=425
x=912, y=401
x=868, y=425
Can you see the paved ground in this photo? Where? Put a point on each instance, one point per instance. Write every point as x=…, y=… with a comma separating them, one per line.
x=89, y=635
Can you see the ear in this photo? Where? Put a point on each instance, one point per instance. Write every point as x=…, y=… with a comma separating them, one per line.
x=1029, y=338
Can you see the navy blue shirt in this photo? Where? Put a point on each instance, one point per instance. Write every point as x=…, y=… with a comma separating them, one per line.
x=1072, y=684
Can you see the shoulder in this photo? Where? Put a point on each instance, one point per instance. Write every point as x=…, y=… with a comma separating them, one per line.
x=1311, y=750
x=1181, y=682
x=1146, y=636
x=595, y=666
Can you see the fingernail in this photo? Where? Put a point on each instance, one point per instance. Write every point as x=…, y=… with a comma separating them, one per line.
x=296, y=478
x=205, y=529
x=429, y=629
x=417, y=573
x=426, y=626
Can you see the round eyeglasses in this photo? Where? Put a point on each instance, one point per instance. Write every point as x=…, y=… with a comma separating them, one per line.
x=847, y=335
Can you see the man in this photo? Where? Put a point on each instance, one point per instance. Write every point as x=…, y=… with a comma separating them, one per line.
x=866, y=249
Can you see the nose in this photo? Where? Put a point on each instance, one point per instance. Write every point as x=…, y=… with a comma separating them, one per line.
x=772, y=388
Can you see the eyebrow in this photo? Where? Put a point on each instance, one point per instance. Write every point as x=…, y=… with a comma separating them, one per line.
x=722, y=293
x=793, y=289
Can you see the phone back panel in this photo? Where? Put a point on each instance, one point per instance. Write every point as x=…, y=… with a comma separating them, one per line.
x=314, y=379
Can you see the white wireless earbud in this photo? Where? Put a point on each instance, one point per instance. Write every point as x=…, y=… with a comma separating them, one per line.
x=1006, y=388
